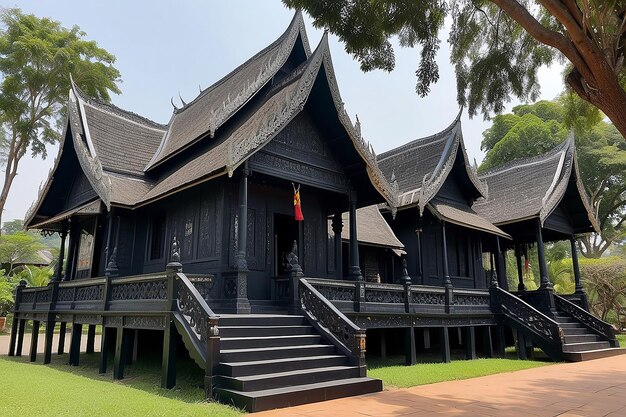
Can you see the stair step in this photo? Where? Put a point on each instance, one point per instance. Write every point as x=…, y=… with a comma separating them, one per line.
x=576, y=325
x=592, y=354
x=587, y=346
x=287, y=378
x=242, y=355
x=571, y=331
x=301, y=394
x=581, y=338
x=260, y=320
x=565, y=319
x=236, y=369
x=251, y=331
x=269, y=341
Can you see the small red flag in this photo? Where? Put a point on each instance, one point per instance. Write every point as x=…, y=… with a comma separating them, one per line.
x=297, y=207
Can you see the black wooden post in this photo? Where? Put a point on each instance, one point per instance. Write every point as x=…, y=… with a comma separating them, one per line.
x=34, y=339
x=58, y=276
x=337, y=228
x=62, y=330
x=487, y=342
x=500, y=266
x=74, y=234
x=444, y=341
x=120, y=353
x=520, y=346
x=470, y=342
x=14, y=330
x=20, y=337
x=383, y=344
x=447, y=283
x=47, y=353
x=168, y=362
x=410, y=355
x=212, y=356
x=543, y=267
x=520, y=273
x=355, y=269
x=15, y=326
x=418, y=232
x=91, y=338
x=295, y=273
x=501, y=340
x=578, y=282
x=77, y=333
x=104, y=349
x=406, y=283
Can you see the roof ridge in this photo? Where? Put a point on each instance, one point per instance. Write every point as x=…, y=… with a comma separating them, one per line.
x=297, y=20
x=117, y=111
x=410, y=145
x=530, y=160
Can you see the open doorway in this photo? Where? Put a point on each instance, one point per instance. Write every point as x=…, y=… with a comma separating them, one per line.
x=286, y=230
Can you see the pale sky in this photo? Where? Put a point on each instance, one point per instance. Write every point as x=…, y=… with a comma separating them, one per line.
x=166, y=47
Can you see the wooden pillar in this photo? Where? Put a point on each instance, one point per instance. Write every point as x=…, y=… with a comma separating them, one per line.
x=242, y=235
x=383, y=344
x=337, y=228
x=426, y=338
x=168, y=364
x=355, y=269
x=47, y=353
x=444, y=342
x=487, y=342
x=77, y=333
x=501, y=340
x=520, y=346
x=447, y=283
x=20, y=337
x=575, y=266
x=74, y=234
x=91, y=338
x=470, y=342
x=543, y=267
x=499, y=264
x=62, y=329
x=410, y=356
x=129, y=343
x=418, y=233
x=520, y=273
x=58, y=276
x=104, y=349
x=34, y=339
x=120, y=354
x=15, y=324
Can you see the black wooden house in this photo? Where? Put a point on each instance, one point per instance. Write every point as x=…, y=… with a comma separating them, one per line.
x=186, y=231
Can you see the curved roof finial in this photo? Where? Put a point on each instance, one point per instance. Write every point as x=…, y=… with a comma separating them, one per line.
x=181, y=99
x=173, y=105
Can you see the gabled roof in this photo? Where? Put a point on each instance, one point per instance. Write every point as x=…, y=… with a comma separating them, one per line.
x=534, y=187
x=282, y=104
x=463, y=215
x=372, y=229
x=217, y=103
x=420, y=167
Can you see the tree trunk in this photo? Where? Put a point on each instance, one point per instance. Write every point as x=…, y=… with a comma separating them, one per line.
x=9, y=176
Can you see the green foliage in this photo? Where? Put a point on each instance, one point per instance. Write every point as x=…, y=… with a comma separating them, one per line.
x=7, y=287
x=37, y=56
x=18, y=248
x=605, y=282
x=34, y=276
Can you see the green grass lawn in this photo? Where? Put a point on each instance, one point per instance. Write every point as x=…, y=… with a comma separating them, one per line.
x=33, y=389
x=396, y=375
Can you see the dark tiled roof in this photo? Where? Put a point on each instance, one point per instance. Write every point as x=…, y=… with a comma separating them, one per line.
x=371, y=228
x=464, y=216
x=216, y=104
x=532, y=187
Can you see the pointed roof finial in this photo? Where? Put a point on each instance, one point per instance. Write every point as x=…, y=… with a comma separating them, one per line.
x=181, y=99
x=173, y=105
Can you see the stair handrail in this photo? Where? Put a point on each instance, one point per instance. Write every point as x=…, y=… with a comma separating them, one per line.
x=532, y=319
x=601, y=327
x=332, y=323
x=204, y=323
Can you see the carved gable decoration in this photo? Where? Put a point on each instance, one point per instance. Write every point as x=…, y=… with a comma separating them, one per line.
x=80, y=192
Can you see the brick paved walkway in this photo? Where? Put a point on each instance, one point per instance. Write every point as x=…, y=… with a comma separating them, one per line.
x=592, y=388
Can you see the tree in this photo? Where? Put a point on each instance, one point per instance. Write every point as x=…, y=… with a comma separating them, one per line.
x=37, y=56
x=534, y=129
x=18, y=248
x=497, y=46
x=605, y=281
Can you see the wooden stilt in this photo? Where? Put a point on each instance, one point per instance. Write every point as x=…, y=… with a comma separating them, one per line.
x=91, y=338
x=520, y=346
x=20, y=337
x=487, y=342
x=383, y=344
x=13, y=340
x=77, y=332
x=135, y=345
x=47, y=353
x=62, y=328
x=470, y=343
x=129, y=343
x=120, y=354
x=168, y=365
x=33, y=340
x=104, y=349
x=444, y=341
x=501, y=340
x=409, y=347
x=427, y=338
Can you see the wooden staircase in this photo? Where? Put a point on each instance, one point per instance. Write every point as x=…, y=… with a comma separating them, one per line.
x=273, y=361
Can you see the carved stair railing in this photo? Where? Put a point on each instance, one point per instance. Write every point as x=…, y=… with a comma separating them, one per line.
x=333, y=324
x=592, y=322
x=541, y=329
x=198, y=325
